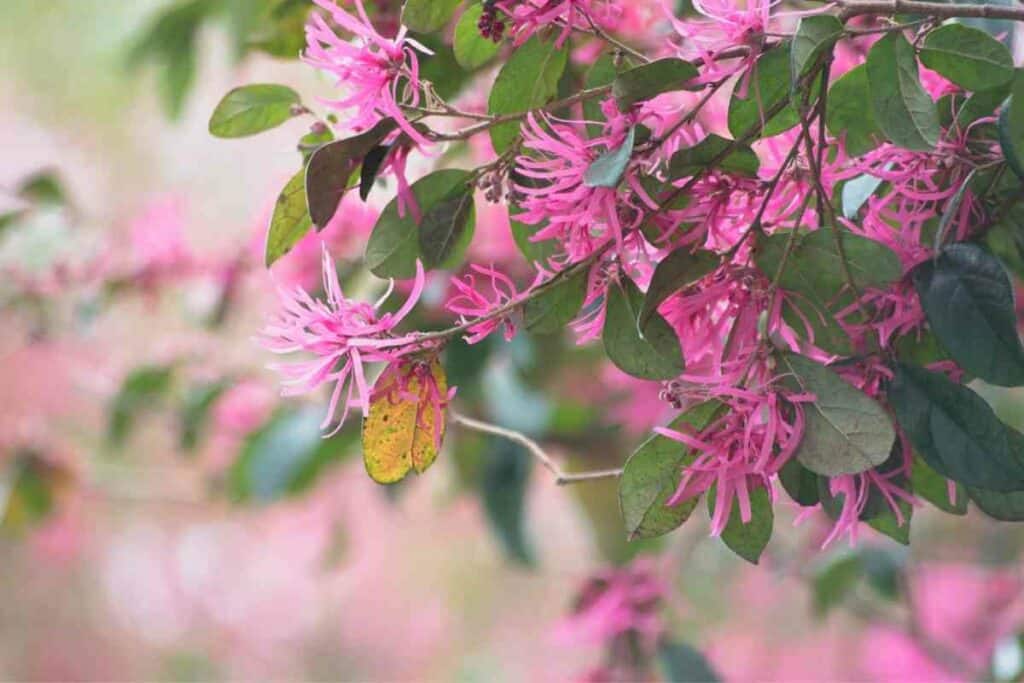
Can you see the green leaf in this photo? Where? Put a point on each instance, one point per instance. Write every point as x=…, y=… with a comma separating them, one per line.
x=856, y=193
x=330, y=170
x=814, y=36
x=979, y=104
x=602, y=73
x=472, y=50
x=31, y=490
x=849, y=116
x=1004, y=506
x=800, y=483
x=369, y=169
x=652, y=474
x=680, y=269
x=139, y=392
x=920, y=348
x=195, y=411
x=505, y=479
x=290, y=221
x=955, y=430
x=933, y=487
x=815, y=267
x=253, y=109
x=846, y=431
x=809, y=319
x=968, y=299
x=681, y=663
x=834, y=582
x=1011, y=126
x=285, y=456
x=607, y=169
x=747, y=540
x=528, y=80
x=282, y=33
x=444, y=225
x=394, y=244
x=656, y=354
x=43, y=187
x=428, y=16
x=902, y=108
x=769, y=87
x=551, y=311
x=708, y=153
x=650, y=80
x=538, y=252
x=969, y=57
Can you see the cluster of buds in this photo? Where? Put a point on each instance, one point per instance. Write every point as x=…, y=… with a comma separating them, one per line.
x=490, y=25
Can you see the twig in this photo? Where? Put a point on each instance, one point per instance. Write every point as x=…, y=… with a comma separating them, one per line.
x=562, y=478
x=856, y=8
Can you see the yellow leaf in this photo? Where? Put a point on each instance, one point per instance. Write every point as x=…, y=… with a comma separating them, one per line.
x=406, y=409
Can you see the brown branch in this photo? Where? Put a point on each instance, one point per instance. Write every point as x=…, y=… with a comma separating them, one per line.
x=856, y=8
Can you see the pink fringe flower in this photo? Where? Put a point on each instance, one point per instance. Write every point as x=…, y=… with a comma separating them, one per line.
x=381, y=74
x=471, y=303
x=342, y=335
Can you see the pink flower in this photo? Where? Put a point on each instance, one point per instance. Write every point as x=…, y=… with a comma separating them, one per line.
x=470, y=303
x=530, y=16
x=342, y=335
x=382, y=74
x=553, y=191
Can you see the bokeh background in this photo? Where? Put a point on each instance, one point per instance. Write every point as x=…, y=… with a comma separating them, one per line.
x=129, y=556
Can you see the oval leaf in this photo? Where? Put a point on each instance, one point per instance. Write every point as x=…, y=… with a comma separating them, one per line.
x=427, y=16
x=399, y=432
x=969, y=57
x=607, y=169
x=846, y=431
x=394, y=244
x=528, y=80
x=252, y=109
x=955, y=430
x=444, y=224
x=708, y=153
x=748, y=540
x=968, y=299
x=847, y=115
x=814, y=36
x=652, y=79
x=768, y=88
x=555, y=308
x=1011, y=126
x=655, y=355
x=471, y=49
x=329, y=173
x=902, y=108
x=290, y=221
x=678, y=270
x=652, y=473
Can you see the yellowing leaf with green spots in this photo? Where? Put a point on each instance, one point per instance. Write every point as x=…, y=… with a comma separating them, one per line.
x=406, y=423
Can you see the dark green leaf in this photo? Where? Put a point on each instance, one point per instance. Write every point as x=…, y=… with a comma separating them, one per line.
x=980, y=104
x=655, y=355
x=747, y=540
x=528, y=80
x=800, y=483
x=330, y=170
x=955, y=430
x=809, y=319
x=532, y=251
x=814, y=36
x=602, y=73
x=652, y=473
x=394, y=244
x=372, y=162
x=652, y=79
x=887, y=523
x=551, y=311
x=902, y=108
x=607, y=169
x=252, y=109
x=505, y=480
x=769, y=87
x=678, y=270
x=681, y=663
x=968, y=299
x=444, y=225
x=427, y=16
x=43, y=187
x=472, y=50
x=1004, y=506
x=815, y=267
x=1011, y=126
x=290, y=221
x=286, y=455
x=846, y=431
x=933, y=487
x=708, y=153
x=849, y=115
x=967, y=56
x=920, y=348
